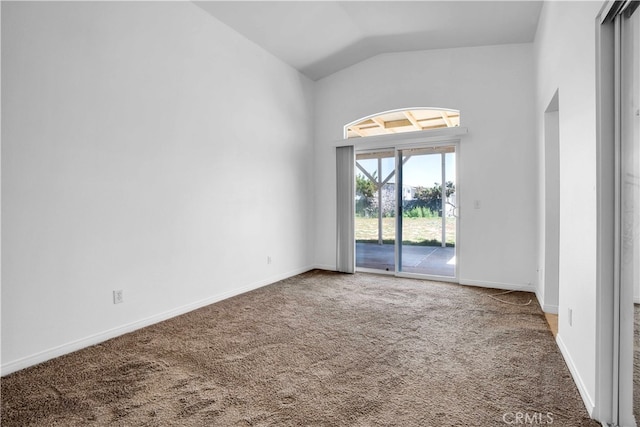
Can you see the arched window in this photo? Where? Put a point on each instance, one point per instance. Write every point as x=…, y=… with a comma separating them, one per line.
x=403, y=120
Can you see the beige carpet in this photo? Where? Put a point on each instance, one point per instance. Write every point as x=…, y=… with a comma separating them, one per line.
x=319, y=349
x=636, y=361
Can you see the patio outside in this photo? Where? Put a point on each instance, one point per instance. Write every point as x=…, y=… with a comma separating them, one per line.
x=422, y=251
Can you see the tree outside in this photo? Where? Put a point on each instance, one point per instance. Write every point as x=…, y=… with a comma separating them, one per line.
x=424, y=209
x=428, y=198
x=426, y=202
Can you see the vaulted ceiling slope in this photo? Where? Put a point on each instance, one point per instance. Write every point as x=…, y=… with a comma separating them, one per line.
x=319, y=38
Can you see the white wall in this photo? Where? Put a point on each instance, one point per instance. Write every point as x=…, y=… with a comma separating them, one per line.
x=149, y=148
x=493, y=87
x=565, y=61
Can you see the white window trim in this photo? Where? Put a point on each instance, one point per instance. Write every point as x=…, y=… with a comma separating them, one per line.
x=404, y=139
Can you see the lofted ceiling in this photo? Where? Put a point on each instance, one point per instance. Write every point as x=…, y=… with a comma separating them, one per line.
x=319, y=38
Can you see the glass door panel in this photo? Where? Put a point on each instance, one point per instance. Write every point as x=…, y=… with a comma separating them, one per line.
x=427, y=220
x=375, y=210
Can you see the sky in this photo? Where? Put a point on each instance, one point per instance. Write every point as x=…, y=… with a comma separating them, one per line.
x=421, y=170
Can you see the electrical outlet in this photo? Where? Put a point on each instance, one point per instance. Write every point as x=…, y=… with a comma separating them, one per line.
x=570, y=318
x=118, y=297
x=269, y=260
x=476, y=204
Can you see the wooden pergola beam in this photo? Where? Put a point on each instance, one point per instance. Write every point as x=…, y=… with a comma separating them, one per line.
x=413, y=120
x=397, y=124
x=368, y=175
x=446, y=119
x=405, y=121
x=383, y=125
x=379, y=122
x=357, y=131
x=423, y=123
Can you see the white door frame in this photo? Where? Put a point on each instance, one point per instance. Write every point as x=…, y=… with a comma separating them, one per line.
x=613, y=347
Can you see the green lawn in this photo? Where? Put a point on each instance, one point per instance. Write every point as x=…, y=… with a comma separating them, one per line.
x=415, y=230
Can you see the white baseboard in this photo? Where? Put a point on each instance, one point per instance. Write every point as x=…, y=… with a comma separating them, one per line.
x=547, y=308
x=325, y=267
x=586, y=398
x=43, y=356
x=498, y=285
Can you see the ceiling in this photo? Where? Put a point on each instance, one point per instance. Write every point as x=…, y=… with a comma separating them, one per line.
x=319, y=38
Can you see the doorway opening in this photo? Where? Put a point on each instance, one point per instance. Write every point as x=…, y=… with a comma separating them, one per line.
x=551, y=267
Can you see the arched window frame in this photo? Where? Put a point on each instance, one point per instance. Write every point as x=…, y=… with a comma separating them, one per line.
x=448, y=121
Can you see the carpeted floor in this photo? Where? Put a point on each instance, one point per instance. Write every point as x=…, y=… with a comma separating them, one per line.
x=319, y=349
x=636, y=361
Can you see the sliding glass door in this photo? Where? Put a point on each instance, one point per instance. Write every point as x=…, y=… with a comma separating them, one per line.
x=427, y=211
x=375, y=210
x=406, y=211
